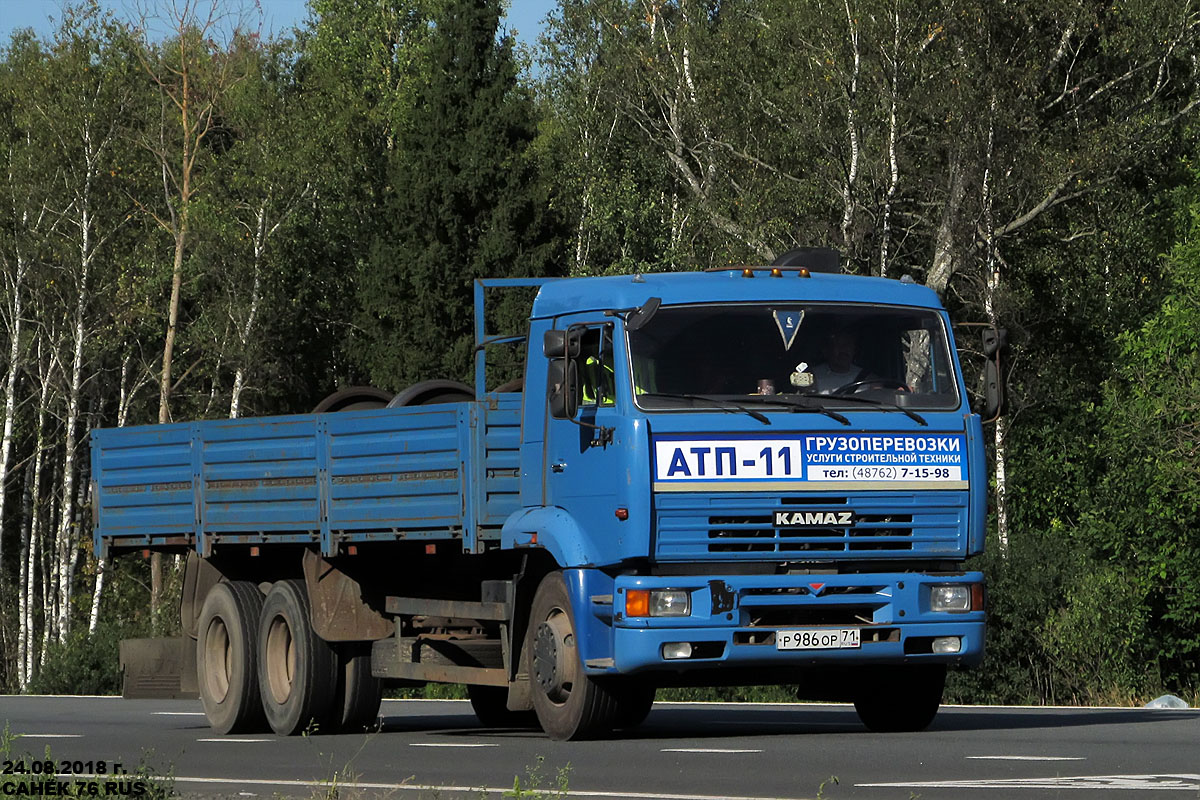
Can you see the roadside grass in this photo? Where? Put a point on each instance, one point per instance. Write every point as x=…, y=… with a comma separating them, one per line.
x=343, y=780
x=29, y=775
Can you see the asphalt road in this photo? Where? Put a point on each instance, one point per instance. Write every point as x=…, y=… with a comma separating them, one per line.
x=435, y=749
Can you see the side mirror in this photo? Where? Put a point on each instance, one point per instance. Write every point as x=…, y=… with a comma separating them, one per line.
x=562, y=386
x=640, y=317
x=561, y=344
x=993, y=390
x=992, y=339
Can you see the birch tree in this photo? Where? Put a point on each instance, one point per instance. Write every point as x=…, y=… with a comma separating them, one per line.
x=193, y=75
x=29, y=224
x=81, y=114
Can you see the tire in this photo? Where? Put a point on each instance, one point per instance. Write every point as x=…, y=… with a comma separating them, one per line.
x=900, y=699
x=634, y=701
x=569, y=704
x=359, y=691
x=297, y=674
x=490, y=704
x=227, y=658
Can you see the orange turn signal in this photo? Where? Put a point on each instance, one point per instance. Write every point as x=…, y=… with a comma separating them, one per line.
x=637, y=603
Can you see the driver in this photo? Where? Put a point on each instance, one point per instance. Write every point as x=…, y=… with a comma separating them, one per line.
x=839, y=368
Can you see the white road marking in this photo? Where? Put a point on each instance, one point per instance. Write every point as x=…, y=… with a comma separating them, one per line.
x=758, y=724
x=178, y=713
x=705, y=750
x=234, y=741
x=497, y=790
x=49, y=735
x=718, y=703
x=1026, y=758
x=78, y=696
x=449, y=744
x=1178, y=783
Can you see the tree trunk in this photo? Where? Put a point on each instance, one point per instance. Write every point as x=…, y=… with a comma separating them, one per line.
x=34, y=527
x=94, y=617
x=885, y=238
x=851, y=177
x=945, y=253
x=10, y=390
x=992, y=286
x=67, y=544
x=24, y=587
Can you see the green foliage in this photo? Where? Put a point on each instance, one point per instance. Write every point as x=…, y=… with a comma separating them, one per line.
x=465, y=201
x=535, y=786
x=83, y=664
x=1145, y=515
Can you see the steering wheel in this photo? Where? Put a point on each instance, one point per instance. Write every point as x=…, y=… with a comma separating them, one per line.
x=872, y=383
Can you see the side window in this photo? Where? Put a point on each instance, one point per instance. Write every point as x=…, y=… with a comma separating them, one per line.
x=597, y=374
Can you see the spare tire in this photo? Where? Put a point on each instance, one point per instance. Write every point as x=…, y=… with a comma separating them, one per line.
x=354, y=398
x=427, y=393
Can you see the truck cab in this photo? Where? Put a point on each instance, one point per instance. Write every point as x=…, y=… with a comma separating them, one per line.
x=727, y=505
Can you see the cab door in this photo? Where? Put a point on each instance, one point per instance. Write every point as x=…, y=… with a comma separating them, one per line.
x=584, y=460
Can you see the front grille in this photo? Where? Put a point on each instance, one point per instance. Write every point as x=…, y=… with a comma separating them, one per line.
x=803, y=616
x=695, y=526
x=757, y=534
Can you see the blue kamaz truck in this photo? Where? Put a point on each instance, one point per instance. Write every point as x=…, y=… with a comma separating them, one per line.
x=750, y=476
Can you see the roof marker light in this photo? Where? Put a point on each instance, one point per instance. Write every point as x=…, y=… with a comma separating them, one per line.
x=776, y=273
x=747, y=273
x=803, y=273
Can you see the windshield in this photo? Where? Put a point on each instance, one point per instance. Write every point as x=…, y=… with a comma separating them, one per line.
x=838, y=355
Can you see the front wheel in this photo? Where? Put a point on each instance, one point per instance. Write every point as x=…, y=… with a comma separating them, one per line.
x=634, y=701
x=900, y=699
x=569, y=703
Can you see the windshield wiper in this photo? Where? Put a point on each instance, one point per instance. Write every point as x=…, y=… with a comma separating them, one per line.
x=869, y=401
x=794, y=404
x=724, y=405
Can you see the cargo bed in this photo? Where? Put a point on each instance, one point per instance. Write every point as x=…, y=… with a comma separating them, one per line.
x=424, y=472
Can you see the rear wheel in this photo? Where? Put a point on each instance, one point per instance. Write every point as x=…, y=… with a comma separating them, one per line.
x=898, y=699
x=297, y=669
x=360, y=692
x=569, y=703
x=227, y=658
x=490, y=704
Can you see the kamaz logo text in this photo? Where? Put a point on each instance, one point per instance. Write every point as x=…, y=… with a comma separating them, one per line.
x=814, y=519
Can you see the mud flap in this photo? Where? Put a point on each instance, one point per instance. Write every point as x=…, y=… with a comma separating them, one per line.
x=159, y=668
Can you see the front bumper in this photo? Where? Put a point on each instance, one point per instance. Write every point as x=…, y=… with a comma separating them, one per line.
x=734, y=622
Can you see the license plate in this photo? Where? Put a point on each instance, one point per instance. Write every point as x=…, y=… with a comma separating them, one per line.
x=817, y=639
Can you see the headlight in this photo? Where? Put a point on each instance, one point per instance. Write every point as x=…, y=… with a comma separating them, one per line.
x=950, y=598
x=658, y=603
x=670, y=603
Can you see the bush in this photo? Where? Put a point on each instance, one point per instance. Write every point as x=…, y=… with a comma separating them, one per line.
x=83, y=664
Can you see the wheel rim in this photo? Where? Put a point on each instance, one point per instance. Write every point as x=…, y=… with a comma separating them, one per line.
x=218, y=659
x=281, y=659
x=553, y=657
